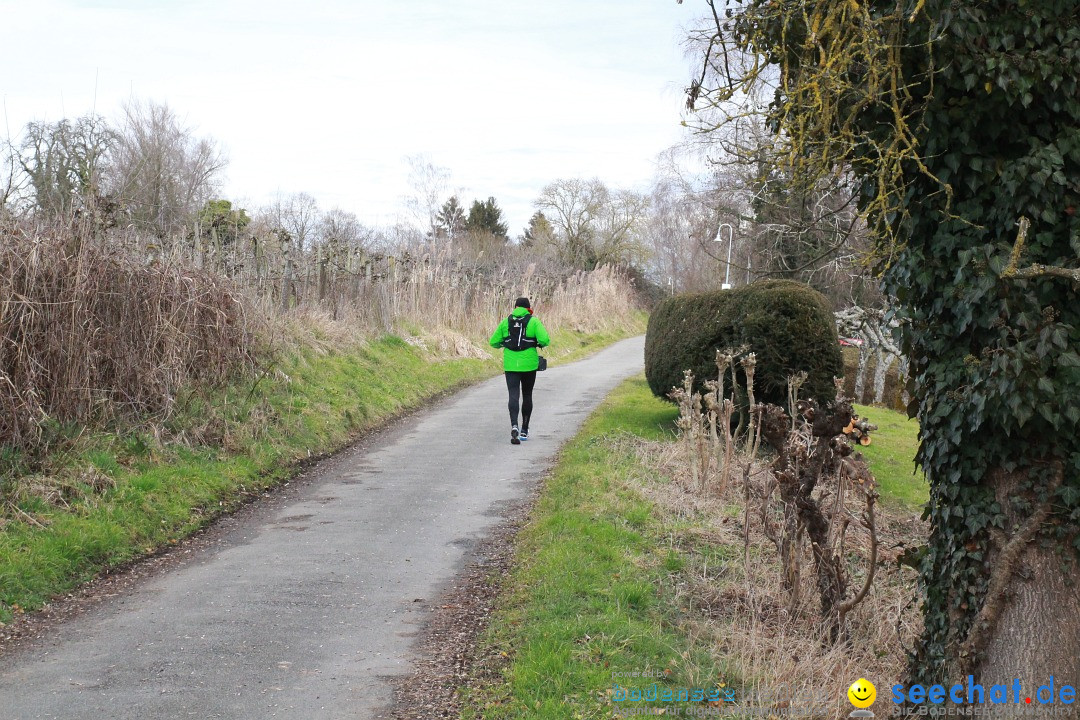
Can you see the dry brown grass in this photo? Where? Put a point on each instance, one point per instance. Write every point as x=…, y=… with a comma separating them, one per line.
x=100, y=324
x=59, y=491
x=450, y=312
x=741, y=608
x=90, y=333
x=430, y=285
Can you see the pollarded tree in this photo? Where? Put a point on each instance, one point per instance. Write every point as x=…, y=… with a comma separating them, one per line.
x=218, y=227
x=959, y=118
x=65, y=162
x=220, y=219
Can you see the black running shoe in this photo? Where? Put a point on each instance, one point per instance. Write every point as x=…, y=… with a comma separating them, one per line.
x=515, y=437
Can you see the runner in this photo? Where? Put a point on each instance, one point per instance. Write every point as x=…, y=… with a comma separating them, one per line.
x=519, y=335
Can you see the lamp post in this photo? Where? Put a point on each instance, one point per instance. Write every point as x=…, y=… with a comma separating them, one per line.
x=731, y=240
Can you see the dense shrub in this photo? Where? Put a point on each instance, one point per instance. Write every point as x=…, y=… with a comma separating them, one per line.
x=90, y=332
x=787, y=324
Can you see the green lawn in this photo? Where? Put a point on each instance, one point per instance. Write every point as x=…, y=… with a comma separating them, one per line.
x=891, y=455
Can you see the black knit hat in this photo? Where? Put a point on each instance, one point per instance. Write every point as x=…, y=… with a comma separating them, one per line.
x=522, y=302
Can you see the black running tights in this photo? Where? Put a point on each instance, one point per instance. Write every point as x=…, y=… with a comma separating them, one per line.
x=520, y=383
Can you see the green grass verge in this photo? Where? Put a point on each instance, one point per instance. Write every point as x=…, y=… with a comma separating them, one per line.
x=590, y=597
x=891, y=455
x=110, y=498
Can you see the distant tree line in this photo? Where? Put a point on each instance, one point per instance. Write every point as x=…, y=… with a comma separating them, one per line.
x=735, y=218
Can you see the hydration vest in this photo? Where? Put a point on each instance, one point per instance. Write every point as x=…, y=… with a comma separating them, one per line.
x=515, y=329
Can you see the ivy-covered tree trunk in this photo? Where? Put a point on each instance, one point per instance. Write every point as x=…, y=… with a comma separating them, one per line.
x=958, y=118
x=1037, y=629
x=993, y=354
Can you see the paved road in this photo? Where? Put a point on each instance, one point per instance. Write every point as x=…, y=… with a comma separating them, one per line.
x=304, y=610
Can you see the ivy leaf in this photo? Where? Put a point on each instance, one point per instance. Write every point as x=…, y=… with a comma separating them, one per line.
x=912, y=557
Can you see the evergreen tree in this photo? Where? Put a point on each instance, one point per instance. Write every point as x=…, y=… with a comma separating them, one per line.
x=450, y=220
x=486, y=217
x=539, y=233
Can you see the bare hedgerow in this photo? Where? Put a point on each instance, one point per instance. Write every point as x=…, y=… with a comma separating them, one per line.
x=742, y=605
x=90, y=332
x=817, y=597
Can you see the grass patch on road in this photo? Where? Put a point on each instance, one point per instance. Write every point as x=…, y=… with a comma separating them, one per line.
x=109, y=498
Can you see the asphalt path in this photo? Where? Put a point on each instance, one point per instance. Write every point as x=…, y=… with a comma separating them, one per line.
x=309, y=609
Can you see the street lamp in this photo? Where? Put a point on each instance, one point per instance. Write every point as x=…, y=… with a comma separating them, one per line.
x=731, y=239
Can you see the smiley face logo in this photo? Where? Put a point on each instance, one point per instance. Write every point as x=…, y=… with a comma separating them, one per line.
x=862, y=693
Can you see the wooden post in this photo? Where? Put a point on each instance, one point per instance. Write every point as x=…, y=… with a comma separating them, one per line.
x=286, y=274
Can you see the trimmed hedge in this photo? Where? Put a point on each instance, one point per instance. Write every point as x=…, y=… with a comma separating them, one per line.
x=788, y=324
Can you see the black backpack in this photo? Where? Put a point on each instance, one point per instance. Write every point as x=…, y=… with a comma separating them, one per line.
x=515, y=329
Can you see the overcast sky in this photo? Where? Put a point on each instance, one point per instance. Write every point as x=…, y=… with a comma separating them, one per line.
x=329, y=97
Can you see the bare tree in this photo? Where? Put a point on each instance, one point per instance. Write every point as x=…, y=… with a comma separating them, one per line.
x=162, y=172
x=593, y=225
x=573, y=205
x=429, y=183
x=679, y=226
x=342, y=228
x=64, y=162
x=790, y=223
x=620, y=225
x=11, y=178
x=298, y=214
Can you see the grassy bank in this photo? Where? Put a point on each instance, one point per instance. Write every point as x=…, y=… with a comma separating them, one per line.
x=627, y=582
x=590, y=599
x=107, y=498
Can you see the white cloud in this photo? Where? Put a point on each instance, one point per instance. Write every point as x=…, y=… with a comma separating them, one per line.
x=329, y=98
